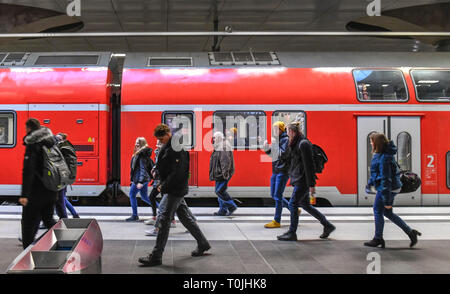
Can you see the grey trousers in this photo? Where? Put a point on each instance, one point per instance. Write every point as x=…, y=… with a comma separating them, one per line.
x=176, y=205
x=162, y=206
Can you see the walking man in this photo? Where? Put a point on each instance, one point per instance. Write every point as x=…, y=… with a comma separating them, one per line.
x=38, y=202
x=221, y=168
x=303, y=178
x=173, y=169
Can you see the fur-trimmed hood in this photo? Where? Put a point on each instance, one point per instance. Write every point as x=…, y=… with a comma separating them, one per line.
x=42, y=136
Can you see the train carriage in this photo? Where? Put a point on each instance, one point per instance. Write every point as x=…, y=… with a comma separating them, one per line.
x=341, y=98
x=67, y=92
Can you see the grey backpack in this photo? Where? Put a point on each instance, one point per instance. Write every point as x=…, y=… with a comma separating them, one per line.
x=70, y=156
x=56, y=173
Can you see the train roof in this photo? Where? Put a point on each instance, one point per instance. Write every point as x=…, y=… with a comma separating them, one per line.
x=288, y=59
x=55, y=59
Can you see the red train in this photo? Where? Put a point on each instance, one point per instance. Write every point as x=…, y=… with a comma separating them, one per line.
x=339, y=97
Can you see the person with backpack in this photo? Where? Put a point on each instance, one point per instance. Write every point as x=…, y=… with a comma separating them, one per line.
x=70, y=157
x=37, y=199
x=221, y=169
x=280, y=167
x=303, y=178
x=173, y=169
x=139, y=175
x=385, y=177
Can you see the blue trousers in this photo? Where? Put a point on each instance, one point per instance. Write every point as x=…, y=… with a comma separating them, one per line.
x=277, y=186
x=300, y=197
x=62, y=203
x=225, y=200
x=144, y=196
x=379, y=211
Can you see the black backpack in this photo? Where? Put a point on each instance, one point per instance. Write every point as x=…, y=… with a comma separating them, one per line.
x=149, y=164
x=410, y=181
x=70, y=156
x=319, y=157
x=55, y=174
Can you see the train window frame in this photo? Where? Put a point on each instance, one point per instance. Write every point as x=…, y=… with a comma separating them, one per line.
x=14, y=143
x=381, y=101
x=259, y=146
x=163, y=116
x=448, y=169
x=415, y=86
x=304, y=115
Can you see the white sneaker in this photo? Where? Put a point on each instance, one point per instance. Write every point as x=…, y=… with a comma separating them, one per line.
x=173, y=224
x=150, y=222
x=152, y=232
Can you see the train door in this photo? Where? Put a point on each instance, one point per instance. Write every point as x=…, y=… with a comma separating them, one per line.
x=405, y=132
x=81, y=123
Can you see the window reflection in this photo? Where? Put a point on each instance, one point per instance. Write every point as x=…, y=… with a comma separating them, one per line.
x=380, y=85
x=404, y=146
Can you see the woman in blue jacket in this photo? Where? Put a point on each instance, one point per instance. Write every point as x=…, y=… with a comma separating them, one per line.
x=385, y=177
x=139, y=175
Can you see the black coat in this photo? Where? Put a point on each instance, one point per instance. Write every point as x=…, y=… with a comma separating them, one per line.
x=280, y=165
x=33, y=164
x=173, y=170
x=139, y=162
x=301, y=163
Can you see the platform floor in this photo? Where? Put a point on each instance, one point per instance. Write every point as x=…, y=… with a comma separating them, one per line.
x=240, y=244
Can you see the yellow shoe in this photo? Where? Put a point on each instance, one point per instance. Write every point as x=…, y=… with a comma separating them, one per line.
x=273, y=224
x=299, y=211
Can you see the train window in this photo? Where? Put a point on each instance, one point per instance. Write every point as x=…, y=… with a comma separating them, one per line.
x=244, y=129
x=380, y=85
x=432, y=85
x=7, y=129
x=448, y=169
x=404, y=146
x=181, y=123
x=369, y=154
x=290, y=116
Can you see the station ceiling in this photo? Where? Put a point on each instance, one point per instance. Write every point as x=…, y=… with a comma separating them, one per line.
x=199, y=15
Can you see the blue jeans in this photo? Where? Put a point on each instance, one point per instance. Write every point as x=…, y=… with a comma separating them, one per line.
x=144, y=196
x=277, y=186
x=62, y=203
x=225, y=200
x=300, y=197
x=379, y=210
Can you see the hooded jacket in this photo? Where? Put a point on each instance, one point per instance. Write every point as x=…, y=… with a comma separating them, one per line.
x=173, y=170
x=33, y=163
x=384, y=172
x=280, y=165
x=301, y=163
x=138, y=164
x=221, y=163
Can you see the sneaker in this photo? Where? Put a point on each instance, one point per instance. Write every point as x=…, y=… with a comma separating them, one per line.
x=76, y=216
x=150, y=222
x=150, y=260
x=220, y=213
x=231, y=210
x=288, y=236
x=327, y=231
x=153, y=232
x=133, y=218
x=173, y=224
x=273, y=224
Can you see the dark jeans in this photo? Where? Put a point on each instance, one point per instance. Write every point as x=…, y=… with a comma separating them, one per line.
x=225, y=200
x=300, y=197
x=62, y=203
x=178, y=205
x=153, y=203
x=277, y=186
x=379, y=210
x=37, y=209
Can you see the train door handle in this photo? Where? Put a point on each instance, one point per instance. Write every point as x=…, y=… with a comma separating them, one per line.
x=79, y=121
x=46, y=121
x=79, y=163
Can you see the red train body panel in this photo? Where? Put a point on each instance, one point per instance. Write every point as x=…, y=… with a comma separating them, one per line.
x=71, y=99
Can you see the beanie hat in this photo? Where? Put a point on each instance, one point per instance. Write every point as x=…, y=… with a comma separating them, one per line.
x=280, y=125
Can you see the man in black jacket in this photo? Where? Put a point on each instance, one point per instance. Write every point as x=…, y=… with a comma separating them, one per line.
x=38, y=201
x=173, y=170
x=303, y=178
